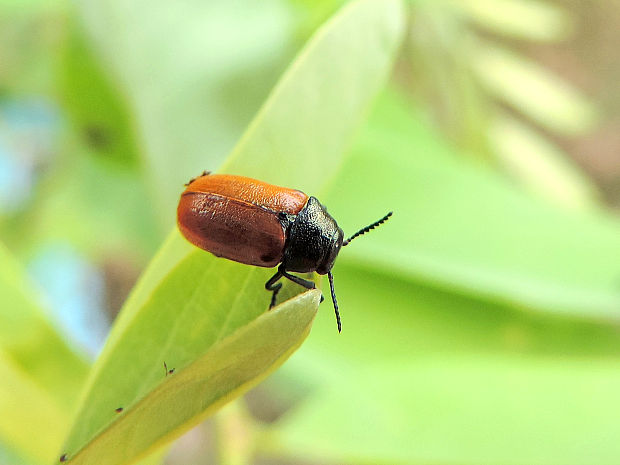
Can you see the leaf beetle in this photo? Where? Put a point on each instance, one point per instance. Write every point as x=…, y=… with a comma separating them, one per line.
x=252, y=222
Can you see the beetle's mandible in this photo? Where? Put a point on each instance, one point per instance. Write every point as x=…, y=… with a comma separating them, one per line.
x=260, y=224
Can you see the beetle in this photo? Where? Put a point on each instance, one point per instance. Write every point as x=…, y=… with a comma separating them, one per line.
x=252, y=222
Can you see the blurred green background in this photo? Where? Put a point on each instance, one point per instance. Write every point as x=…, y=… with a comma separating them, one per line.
x=480, y=324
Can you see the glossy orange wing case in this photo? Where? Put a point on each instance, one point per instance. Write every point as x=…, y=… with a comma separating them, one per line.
x=237, y=217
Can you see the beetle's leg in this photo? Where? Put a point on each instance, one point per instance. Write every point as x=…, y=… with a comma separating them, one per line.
x=204, y=173
x=272, y=286
x=301, y=281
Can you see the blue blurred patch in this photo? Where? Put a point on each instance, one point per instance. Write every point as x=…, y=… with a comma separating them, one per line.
x=76, y=293
x=28, y=131
x=15, y=180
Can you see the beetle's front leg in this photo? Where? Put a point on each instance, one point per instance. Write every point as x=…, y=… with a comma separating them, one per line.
x=272, y=286
x=296, y=279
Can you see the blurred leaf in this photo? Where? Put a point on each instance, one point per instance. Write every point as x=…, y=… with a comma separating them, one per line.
x=461, y=226
x=94, y=172
x=208, y=320
x=421, y=321
x=541, y=166
x=440, y=72
x=32, y=423
x=8, y=456
x=444, y=373
x=98, y=112
x=31, y=342
x=110, y=210
x=40, y=374
x=16, y=8
x=464, y=410
x=521, y=19
x=323, y=97
x=313, y=13
x=194, y=73
x=31, y=34
x=532, y=90
x=235, y=433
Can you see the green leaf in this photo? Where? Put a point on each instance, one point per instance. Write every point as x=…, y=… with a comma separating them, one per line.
x=32, y=423
x=418, y=320
x=40, y=374
x=30, y=341
x=464, y=410
x=208, y=320
x=97, y=110
x=193, y=74
x=316, y=108
x=442, y=375
x=462, y=226
x=8, y=456
x=95, y=168
x=31, y=8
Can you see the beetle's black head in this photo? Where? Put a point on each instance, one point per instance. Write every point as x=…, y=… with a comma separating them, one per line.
x=332, y=251
x=313, y=240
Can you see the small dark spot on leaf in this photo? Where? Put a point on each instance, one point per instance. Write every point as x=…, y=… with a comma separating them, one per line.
x=63, y=458
x=118, y=410
x=97, y=136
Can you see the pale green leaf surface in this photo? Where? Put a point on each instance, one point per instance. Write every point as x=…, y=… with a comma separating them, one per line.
x=193, y=73
x=29, y=339
x=157, y=457
x=32, y=422
x=305, y=125
x=90, y=184
x=521, y=19
x=95, y=171
x=31, y=8
x=462, y=226
x=404, y=344
x=40, y=374
x=208, y=320
x=10, y=456
x=462, y=410
x=405, y=320
x=532, y=90
x=98, y=112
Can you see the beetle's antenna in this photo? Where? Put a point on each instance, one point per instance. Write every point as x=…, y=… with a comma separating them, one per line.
x=330, y=276
x=366, y=229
